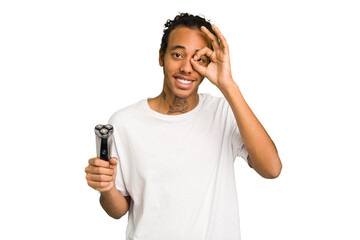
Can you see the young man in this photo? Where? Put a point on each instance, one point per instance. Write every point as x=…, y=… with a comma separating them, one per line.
x=173, y=169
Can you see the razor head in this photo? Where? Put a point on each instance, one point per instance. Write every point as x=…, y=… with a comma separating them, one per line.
x=104, y=131
x=104, y=140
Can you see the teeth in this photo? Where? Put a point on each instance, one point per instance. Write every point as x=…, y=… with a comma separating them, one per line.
x=183, y=81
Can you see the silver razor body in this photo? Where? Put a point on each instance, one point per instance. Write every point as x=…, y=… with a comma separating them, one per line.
x=104, y=138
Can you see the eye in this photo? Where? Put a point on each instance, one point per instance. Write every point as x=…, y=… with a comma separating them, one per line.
x=176, y=55
x=203, y=60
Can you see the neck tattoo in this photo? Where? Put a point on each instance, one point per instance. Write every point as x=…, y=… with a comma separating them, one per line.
x=179, y=105
x=163, y=94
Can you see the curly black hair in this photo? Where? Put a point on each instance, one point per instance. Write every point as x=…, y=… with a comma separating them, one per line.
x=182, y=20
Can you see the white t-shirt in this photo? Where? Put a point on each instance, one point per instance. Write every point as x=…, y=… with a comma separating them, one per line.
x=179, y=171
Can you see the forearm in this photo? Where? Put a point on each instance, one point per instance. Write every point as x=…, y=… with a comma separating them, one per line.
x=114, y=203
x=262, y=151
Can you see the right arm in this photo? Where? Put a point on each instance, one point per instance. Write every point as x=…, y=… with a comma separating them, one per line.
x=114, y=203
x=101, y=176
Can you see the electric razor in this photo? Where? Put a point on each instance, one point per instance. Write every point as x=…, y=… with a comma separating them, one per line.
x=104, y=137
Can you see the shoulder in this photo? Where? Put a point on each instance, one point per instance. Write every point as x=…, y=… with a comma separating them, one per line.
x=214, y=102
x=127, y=113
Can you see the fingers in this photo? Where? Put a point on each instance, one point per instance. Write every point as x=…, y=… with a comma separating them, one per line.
x=99, y=178
x=99, y=162
x=100, y=174
x=200, y=61
x=101, y=186
x=221, y=37
x=97, y=185
x=113, y=161
x=207, y=52
x=197, y=67
x=100, y=182
x=214, y=39
x=99, y=170
x=217, y=41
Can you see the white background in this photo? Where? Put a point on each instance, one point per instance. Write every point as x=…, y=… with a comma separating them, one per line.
x=66, y=66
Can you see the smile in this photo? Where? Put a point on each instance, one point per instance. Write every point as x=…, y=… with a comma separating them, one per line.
x=183, y=83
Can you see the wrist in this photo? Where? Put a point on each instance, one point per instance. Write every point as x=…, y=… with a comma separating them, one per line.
x=228, y=87
x=108, y=193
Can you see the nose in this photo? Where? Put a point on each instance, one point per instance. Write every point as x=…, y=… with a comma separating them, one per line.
x=186, y=66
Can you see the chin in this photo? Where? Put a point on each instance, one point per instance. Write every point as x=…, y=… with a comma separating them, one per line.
x=181, y=93
x=185, y=93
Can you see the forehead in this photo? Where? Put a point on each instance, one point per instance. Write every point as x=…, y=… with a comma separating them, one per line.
x=191, y=39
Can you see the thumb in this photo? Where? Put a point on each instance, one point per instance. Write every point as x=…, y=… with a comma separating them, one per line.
x=113, y=161
x=197, y=67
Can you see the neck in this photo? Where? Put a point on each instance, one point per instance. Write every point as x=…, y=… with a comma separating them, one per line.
x=170, y=104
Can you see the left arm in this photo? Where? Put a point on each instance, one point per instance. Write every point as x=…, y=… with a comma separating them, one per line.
x=263, y=156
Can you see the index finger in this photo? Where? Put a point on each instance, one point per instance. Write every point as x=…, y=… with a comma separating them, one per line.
x=99, y=162
x=213, y=38
x=219, y=35
x=218, y=40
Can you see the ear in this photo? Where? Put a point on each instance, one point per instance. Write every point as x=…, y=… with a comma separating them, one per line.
x=161, y=59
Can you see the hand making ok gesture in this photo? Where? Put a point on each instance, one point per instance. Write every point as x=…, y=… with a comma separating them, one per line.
x=218, y=71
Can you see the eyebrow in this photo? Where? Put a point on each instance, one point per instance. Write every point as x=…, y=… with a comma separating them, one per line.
x=177, y=47
x=180, y=47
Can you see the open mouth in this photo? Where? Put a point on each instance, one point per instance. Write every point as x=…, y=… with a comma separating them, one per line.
x=183, y=83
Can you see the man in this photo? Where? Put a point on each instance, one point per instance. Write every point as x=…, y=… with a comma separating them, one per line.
x=173, y=169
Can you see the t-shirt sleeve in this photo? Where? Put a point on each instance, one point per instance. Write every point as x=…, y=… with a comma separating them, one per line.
x=238, y=146
x=119, y=180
